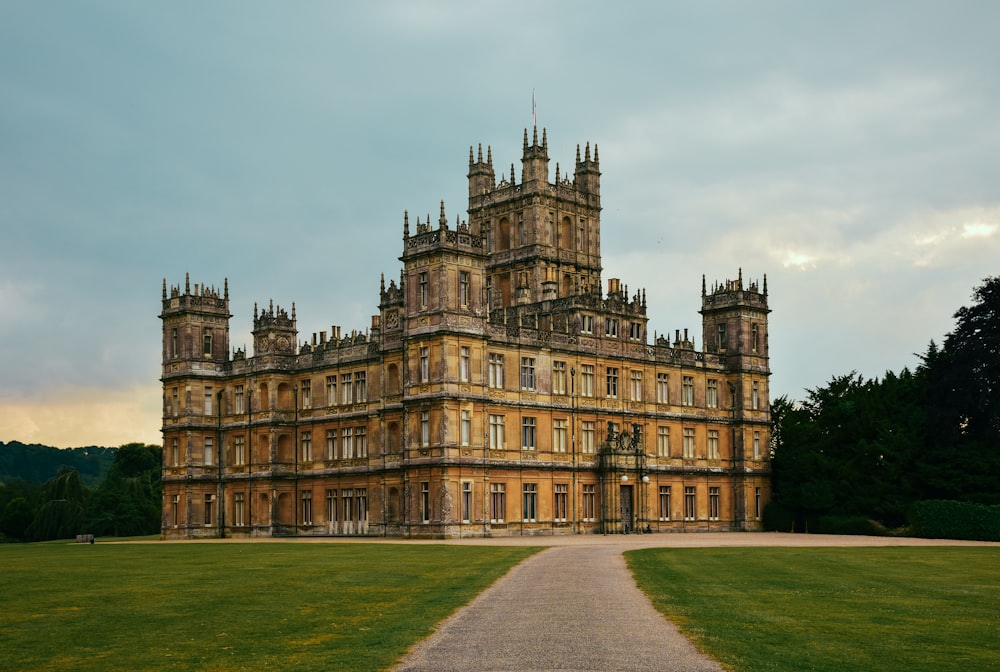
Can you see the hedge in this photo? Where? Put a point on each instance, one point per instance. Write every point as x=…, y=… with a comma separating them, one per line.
x=942, y=519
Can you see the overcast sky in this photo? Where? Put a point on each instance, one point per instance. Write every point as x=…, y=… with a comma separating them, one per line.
x=847, y=150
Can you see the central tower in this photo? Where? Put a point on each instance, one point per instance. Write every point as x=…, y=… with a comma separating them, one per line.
x=542, y=238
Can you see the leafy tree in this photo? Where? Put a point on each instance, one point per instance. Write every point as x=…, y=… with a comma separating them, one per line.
x=15, y=518
x=128, y=501
x=61, y=514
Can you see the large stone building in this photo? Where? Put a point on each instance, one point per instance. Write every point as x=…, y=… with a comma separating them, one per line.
x=498, y=391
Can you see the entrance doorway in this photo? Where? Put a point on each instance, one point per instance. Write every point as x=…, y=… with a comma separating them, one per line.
x=626, y=508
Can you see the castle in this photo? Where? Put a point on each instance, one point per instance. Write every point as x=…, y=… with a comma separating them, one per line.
x=498, y=391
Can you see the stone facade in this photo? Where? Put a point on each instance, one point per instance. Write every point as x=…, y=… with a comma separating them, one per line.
x=498, y=391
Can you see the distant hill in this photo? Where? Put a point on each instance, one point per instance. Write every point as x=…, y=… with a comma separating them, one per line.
x=35, y=463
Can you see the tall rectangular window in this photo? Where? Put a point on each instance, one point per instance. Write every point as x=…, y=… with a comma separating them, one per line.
x=173, y=342
x=756, y=503
x=175, y=453
x=238, y=408
x=347, y=442
x=612, y=380
x=687, y=391
x=530, y=505
x=588, y=436
x=558, y=377
x=664, y=502
x=208, y=450
x=425, y=428
x=635, y=331
x=712, y=393
x=586, y=380
x=307, y=508
x=463, y=364
x=466, y=427
x=611, y=327
x=425, y=501
x=208, y=401
x=496, y=370
x=586, y=324
x=689, y=443
x=498, y=502
x=331, y=390
x=721, y=342
x=346, y=388
x=361, y=441
x=425, y=364
x=527, y=434
x=464, y=291
x=466, y=501
x=307, y=447
x=589, y=502
x=305, y=393
x=662, y=388
x=174, y=505
x=560, y=431
x=754, y=338
x=331, y=444
x=561, y=502
x=756, y=445
x=422, y=284
x=360, y=387
x=713, y=503
x=361, y=503
x=635, y=385
x=690, y=503
x=206, y=338
x=209, y=501
x=331, y=506
x=527, y=373
x=238, y=510
x=713, y=444
x=755, y=396
x=663, y=441
x=347, y=508
x=239, y=450
x=175, y=404
x=496, y=432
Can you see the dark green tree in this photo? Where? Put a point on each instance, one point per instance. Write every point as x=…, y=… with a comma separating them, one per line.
x=62, y=510
x=15, y=518
x=128, y=500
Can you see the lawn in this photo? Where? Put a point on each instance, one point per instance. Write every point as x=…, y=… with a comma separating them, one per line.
x=233, y=606
x=818, y=609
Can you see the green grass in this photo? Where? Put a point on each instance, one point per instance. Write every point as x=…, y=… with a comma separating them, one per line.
x=871, y=609
x=233, y=606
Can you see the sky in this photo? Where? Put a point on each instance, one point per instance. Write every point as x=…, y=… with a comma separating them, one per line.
x=846, y=150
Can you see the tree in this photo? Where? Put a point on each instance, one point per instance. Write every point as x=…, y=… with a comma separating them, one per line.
x=61, y=514
x=128, y=500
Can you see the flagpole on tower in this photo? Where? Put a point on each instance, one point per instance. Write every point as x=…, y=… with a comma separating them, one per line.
x=534, y=114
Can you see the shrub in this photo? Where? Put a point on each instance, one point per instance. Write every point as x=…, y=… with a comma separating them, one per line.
x=943, y=519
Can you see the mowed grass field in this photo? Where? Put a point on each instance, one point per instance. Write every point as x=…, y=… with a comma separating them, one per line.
x=836, y=609
x=232, y=606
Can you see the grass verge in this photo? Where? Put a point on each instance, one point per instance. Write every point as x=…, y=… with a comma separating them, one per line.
x=819, y=609
x=231, y=606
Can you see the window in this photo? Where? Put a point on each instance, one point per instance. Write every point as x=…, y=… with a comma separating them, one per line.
x=361, y=503
x=560, y=427
x=689, y=444
x=496, y=432
x=586, y=380
x=721, y=337
x=347, y=511
x=521, y=232
x=466, y=428
x=530, y=509
x=756, y=503
x=558, y=377
x=422, y=280
x=663, y=441
x=687, y=391
x=239, y=450
x=360, y=387
x=561, y=502
x=307, y=508
x=209, y=449
x=208, y=401
x=498, y=502
x=662, y=388
x=463, y=364
x=305, y=394
x=463, y=289
x=755, y=396
x=690, y=503
x=664, y=502
x=713, y=503
x=496, y=371
x=527, y=373
x=635, y=385
x=331, y=506
x=425, y=501
x=712, y=393
x=173, y=509
x=331, y=390
x=466, y=501
x=239, y=518
x=586, y=324
x=238, y=400
x=175, y=405
x=589, y=502
x=527, y=434
x=587, y=437
x=754, y=338
x=173, y=343
x=307, y=447
x=346, y=388
x=425, y=364
x=612, y=380
x=635, y=331
x=611, y=327
x=425, y=428
x=206, y=338
x=756, y=445
x=175, y=453
x=331, y=444
x=209, y=500
x=713, y=444
x=361, y=442
x=347, y=442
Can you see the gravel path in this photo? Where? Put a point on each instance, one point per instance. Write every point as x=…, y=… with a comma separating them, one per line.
x=566, y=608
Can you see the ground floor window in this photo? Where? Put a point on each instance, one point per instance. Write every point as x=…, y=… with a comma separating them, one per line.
x=466, y=501
x=664, y=502
x=307, y=508
x=561, y=502
x=713, y=503
x=589, y=503
x=530, y=508
x=498, y=502
x=690, y=508
x=238, y=514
